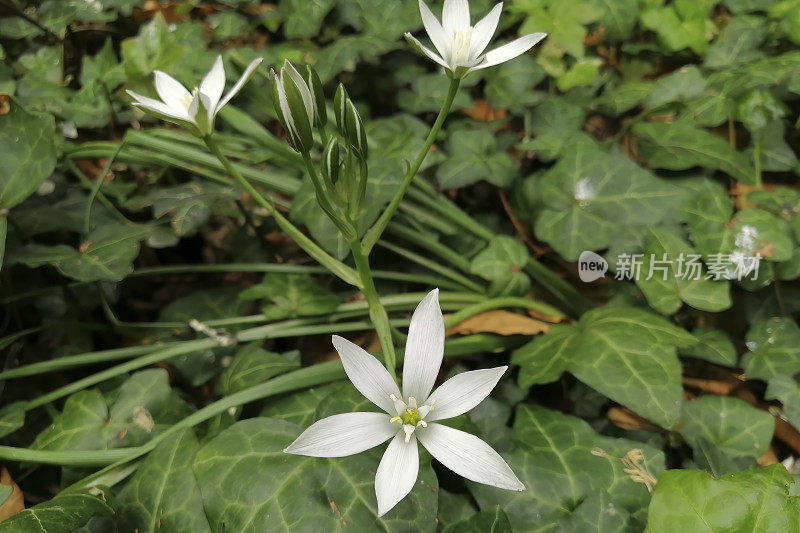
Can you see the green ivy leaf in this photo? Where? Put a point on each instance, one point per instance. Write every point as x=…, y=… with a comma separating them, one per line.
x=143, y=406
x=188, y=205
x=492, y=520
x=106, y=255
x=300, y=408
x=756, y=501
x=163, y=492
x=565, y=23
x=624, y=97
x=774, y=345
x=737, y=43
x=453, y=508
x=103, y=67
x=671, y=284
x=473, y=155
x=589, y=196
x=291, y=295
x=618, y=17
x=713, y=346
x=252, y=365
x=731, y=425
x=511, y=85
x=785, y=389
x=501, y=263
x=62, y=514
x=684, y=84
x=554, y=460
x=303, y=19
x=12, y=417
x=680, y=146
x=679, y=26
x=249, y=483
x=27, y=142
x=427, y=92
x=627, y=354
x=553, y=122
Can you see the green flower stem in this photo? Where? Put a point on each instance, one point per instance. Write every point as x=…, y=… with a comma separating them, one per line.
x=375, y=232
x=292, y=381
x=324, y=200
x=310, y=247
x=376, y=310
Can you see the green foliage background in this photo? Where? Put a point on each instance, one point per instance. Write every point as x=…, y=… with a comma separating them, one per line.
x=637, y=126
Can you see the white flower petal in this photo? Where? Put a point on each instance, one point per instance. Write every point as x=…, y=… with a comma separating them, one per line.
x=455, y=16
x=342, y=435
x=158, y=107
x=213, y=84
x=171, y=91
x=511, y=50
x=424, y=348
x=468, y=456
x=397, y=472
x=248, y=72
x=462, y=392
x=367, y=374
x=283, y=102
x=434, y=29
x=484, y=30
x=425, y=50
x=193, y=107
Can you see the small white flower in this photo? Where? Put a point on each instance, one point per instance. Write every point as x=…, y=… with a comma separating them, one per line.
x=198, y=109
x=460, y=45
x=411, y=414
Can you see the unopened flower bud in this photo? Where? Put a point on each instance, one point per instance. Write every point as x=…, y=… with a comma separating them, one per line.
x=331, y=161
x=349, y=122
x=294, y=106
x=318, y=96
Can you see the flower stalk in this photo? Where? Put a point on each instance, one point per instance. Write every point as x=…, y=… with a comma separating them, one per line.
x=375, y=232
x=377, y=312
x=310, y=247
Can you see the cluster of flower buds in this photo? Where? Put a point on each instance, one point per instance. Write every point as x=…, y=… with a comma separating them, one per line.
x=300, y=106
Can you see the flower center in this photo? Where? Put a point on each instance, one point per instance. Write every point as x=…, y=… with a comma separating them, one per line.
x=187, y=99
x=462, y=43
x=409, y=415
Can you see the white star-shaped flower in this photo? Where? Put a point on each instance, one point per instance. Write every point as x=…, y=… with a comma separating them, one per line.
x=410, y=416
x=198, y=109
x=460, y=45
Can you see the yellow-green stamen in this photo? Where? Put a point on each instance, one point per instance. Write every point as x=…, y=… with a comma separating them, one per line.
x=410, y=417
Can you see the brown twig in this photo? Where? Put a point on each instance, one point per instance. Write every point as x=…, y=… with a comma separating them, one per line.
x=519, y=226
